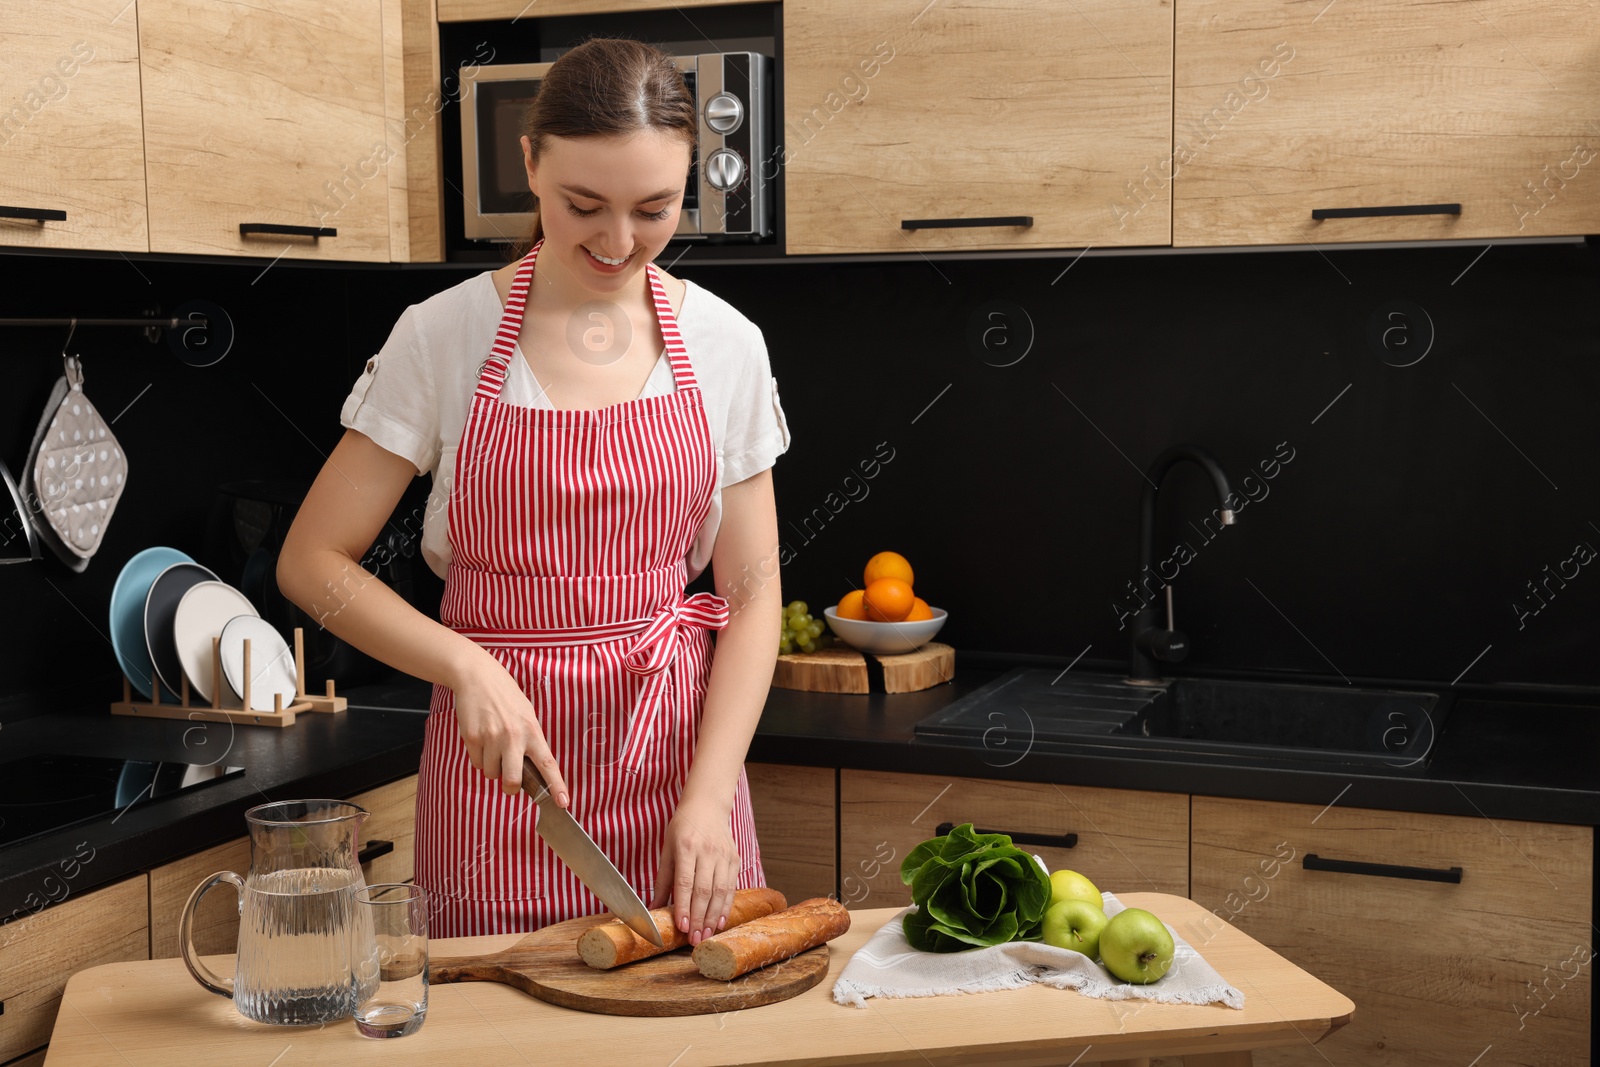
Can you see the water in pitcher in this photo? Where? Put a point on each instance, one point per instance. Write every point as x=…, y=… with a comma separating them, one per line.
x=298, y=933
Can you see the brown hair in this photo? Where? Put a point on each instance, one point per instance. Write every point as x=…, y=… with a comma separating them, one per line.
x=604, y=86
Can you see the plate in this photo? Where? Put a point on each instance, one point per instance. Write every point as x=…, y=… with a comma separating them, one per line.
x=271, y=662
x=160, y=605
x=202, y=613
x=885, y=638
x=127, y=612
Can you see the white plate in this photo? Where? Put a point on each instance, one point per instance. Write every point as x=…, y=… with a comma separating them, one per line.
x=271, y=662
x=202, y=613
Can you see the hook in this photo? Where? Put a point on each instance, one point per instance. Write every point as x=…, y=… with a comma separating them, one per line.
x=70, y=365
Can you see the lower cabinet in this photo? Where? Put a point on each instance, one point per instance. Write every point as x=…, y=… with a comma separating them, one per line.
x=216, y=921
x=389, y=833
x=40, y=952
x=796, y=828
x=1126, y=840
x=1441, y=968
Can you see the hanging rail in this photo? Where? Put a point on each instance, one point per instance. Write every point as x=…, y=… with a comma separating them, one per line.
x=170, y=323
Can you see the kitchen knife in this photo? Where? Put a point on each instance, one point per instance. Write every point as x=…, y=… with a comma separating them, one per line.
x=579, y=852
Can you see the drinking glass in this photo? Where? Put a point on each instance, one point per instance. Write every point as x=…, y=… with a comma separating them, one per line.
x=398, y=915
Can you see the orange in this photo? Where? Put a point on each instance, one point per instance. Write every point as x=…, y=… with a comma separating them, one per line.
x=888, y=565
x=888, y=600
x=851, y=607
x=919, y=610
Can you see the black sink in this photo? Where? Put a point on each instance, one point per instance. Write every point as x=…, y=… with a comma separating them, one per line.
x=1032, y=707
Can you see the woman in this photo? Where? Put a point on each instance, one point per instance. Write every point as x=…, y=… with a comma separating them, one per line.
x=578, y=486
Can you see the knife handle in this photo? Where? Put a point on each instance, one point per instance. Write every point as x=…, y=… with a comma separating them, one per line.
x=533, y=782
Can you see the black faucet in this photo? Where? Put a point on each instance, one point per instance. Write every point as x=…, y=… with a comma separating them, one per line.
x=1153, y=641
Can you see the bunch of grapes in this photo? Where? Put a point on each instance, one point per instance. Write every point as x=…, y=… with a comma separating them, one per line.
x=801, y=633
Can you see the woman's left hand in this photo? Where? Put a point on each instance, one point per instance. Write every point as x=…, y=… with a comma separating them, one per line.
x=699, y=870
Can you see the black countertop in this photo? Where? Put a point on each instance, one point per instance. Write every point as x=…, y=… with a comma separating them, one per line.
x=1499, y=756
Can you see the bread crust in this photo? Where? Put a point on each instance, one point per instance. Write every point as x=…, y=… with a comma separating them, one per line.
x=613, y=944
x=765, y=941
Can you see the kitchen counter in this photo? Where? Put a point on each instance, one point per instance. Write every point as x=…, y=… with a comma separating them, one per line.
x=1505, y=757
x=1510, y=756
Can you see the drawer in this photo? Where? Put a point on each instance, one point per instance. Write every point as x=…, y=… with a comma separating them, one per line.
x=796, y=827
x=40, y=952
x=1438, y=969
x=1127, y=840
x=393, y=818
x=216, y=923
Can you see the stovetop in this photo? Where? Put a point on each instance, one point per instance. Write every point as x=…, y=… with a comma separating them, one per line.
x=42, y=794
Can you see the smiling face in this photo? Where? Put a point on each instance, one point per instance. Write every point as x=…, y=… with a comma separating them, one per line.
x=608, y=204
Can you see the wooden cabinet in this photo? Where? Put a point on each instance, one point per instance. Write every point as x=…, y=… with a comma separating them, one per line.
x=1127, y=840
x=1282, y=108
x=216, y=920
x=393, y=818
x=40, y=952
x=975, y=109
x=796, y=827
x=69, y=134
x=1439, y=971
x=265, y=116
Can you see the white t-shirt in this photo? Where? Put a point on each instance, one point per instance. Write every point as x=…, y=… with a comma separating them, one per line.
x=413, y=397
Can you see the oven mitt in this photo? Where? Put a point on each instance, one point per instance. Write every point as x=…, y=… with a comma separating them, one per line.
x=75, y=472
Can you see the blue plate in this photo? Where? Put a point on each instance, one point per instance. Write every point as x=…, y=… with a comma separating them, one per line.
x=127, y=612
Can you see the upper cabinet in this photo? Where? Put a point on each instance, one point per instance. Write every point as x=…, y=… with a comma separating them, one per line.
x=264, y=128
x=71, y=152
x=1284, y=108
x=986, y=124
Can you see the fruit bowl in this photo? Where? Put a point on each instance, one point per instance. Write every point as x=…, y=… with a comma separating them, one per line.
x=885, y=638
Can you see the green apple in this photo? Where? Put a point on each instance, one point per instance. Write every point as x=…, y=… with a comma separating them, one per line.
x=1136, y=946
x=1075, y=924
x=1070, y=885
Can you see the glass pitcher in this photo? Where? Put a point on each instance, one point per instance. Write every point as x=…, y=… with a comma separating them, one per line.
x=301, y=936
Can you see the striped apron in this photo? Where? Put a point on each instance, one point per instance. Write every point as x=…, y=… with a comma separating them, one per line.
x=569, y=533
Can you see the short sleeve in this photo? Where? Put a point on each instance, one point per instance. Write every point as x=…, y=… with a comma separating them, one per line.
x=394, y=401
x=757, y=432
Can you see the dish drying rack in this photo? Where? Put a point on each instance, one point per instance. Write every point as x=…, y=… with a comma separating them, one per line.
x=280, y=715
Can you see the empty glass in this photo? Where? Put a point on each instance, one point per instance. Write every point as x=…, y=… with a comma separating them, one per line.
x=396, y=1004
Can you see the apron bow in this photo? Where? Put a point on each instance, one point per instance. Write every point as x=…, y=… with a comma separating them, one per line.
x=652, y=652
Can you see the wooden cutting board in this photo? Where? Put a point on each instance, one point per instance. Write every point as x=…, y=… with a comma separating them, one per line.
x=545, y=965
x=841, y=669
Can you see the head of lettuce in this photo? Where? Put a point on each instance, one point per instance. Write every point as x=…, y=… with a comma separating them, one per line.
x=972, y=890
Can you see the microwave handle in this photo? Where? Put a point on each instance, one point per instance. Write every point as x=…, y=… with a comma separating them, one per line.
x=950, y=224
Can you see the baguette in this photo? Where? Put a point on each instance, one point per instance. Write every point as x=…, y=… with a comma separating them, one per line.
x=775, y=937
x=613, y=944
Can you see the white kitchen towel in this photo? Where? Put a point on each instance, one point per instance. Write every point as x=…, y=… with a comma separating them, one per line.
x=887, y=966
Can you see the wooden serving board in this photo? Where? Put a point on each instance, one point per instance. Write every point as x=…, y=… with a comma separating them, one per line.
x=841, y=669
x=545, y=965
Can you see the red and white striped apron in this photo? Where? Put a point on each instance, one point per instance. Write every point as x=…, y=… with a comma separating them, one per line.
x=569, y=533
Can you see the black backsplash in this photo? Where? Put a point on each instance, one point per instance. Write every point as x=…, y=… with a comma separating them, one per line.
x=1005, y=410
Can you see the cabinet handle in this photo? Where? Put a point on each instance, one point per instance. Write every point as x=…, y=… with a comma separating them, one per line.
x=1314, y=862
x=1374, y=212
x=34, y=214
x=373, y=850
x=1046, y=840
x=248, y=228
x=951, y=224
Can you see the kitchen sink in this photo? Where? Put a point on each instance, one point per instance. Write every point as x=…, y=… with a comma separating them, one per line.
x=1036, y=708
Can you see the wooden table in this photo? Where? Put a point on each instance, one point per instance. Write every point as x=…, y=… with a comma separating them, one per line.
x=152, y=1014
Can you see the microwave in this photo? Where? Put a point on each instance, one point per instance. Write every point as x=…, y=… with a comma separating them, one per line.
x=729, y=194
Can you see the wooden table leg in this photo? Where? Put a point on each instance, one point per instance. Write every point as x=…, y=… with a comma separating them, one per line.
x=1218, y=1059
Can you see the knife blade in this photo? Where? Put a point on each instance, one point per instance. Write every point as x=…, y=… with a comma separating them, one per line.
x=583, y=857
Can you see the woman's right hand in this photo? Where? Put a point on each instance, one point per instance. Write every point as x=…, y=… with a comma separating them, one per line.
x=498, y=726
